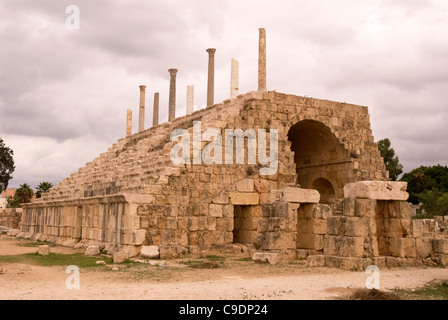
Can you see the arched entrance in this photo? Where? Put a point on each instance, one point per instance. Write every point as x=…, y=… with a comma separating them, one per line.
x=325, y=189
x=322, y=162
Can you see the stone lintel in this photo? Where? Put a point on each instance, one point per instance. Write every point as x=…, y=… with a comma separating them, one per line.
x=237, y=198
x=377, y=190
x=297, y=195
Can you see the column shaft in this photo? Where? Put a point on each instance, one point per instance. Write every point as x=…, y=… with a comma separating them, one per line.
x=262, y=60
x=172, y=98
x=190, y=99
x=234, y=79
x=155, y=111
x=211, y=76
x=129, y=123
x=141, y=115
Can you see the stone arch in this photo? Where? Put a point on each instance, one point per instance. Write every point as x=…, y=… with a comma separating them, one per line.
x=325, y=189
x=318, y=154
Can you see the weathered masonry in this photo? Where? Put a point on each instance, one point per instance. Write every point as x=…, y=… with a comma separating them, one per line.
x=330, y=200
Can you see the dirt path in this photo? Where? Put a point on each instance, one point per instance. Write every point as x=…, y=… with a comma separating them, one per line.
x=243, y=280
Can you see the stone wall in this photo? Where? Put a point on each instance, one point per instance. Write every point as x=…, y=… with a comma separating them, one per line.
x=197, y=205
x=10, y=218
x=371, y=227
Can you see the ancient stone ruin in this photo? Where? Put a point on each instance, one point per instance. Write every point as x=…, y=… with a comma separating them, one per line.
x=328, y=199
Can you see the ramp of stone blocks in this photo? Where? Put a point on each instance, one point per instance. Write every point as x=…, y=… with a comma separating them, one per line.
x=141, y=159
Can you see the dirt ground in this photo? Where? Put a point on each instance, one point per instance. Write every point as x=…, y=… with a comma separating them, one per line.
x=238, y=279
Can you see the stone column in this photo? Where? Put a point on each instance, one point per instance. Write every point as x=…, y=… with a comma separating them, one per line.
x=155, y=111
x=211, y=76
x=141, y=115
x=234, y=79
x=262, y=60
x=172, y=99
x=129, y=123
x=190, y=99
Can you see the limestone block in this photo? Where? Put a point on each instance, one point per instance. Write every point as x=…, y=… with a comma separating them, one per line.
x=315, y=261
x=315, y=226
x=119, y=257
x=193, y=223
x=215, y=210
x=227, y=211
x=347, y=263
x=396, y=228
x=402, y=247
x=348, y=208
x=262, y=224
x=262, y=185
x=314, y=211
x=13, y=232
x=378, y=190
x=227, y=224
x=130, y=250
x=344, y=246
x=310, y=241
x=416, y=228
x=210, y=223
x=168, y=251
x=442, y=259
x=246, y=185
x=221, y=198
x=274, y=224
x=266, y=257
x=244, y=198
x=92, y=250
x=423, y=247
x=299, y=195
x=394, y=209
x=440, y=245
x=171, y=223
x=43, y=250
x=334, y=225
x=138, y=237
x=360, y=227
x=380, y=262
x=365, y=208
x=276, y=241
x=149, y=252
x=301, y=254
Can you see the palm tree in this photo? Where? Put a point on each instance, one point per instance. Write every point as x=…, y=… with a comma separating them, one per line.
x=43, y=187
x=24, y=193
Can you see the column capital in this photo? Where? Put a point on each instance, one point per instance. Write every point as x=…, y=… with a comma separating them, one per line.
x=172, y=72
x=211, y=51
x=142, y=87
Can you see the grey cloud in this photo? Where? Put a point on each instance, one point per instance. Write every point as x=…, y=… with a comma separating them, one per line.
x=63, y=85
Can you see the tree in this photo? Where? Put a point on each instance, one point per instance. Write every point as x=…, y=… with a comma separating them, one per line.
x=6, y=165
x=390, y=159
x=24, y=193
x=434, y=202
x=424, y=179
x=43, y=187
x=12, y=202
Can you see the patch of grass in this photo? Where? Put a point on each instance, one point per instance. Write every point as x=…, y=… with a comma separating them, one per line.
x=205, y=265
x=243, y=259
x=436, y=290
x=207, y=262
x=55, y=259
x=214, y=258
x=373, y=294
x=36, y=244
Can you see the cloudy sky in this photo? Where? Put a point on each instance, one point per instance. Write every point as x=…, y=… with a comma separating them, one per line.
x=64, y=92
